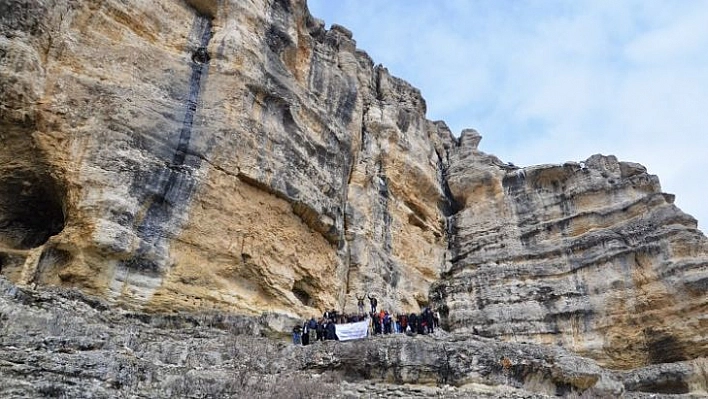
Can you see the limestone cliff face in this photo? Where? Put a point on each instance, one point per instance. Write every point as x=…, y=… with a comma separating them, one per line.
x=236, y=155
x=199, y=154
x=591, y=256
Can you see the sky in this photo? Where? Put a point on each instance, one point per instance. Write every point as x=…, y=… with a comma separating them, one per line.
x=555, y=81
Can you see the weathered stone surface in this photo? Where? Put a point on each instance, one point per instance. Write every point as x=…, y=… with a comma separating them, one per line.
x=204, y=154
x=60, y=343
x=232, y=156
x=591, y=256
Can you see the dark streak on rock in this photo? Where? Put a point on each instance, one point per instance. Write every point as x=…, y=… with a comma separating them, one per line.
x=170, y=188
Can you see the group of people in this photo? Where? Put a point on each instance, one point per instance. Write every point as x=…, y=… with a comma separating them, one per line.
x=380, y=322
x=322, y=329
x=415, y=323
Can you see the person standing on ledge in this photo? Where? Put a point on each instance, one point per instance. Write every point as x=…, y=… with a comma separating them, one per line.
x=360, y=303
x=296, y=335
x=373, y=302
x=305, y=337
x=331, y=331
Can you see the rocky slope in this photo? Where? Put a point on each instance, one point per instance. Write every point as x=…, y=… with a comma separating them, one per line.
x=65, y=344
x=236, y=156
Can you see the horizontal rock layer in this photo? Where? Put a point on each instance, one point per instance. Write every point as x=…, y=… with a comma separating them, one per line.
x=196, y=155
x=591, y=256
x=65, y=344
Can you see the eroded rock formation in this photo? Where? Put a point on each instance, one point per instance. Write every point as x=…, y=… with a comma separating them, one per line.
x=591, y=256
x=65, y=344
x=236, y=156
x=213, y=154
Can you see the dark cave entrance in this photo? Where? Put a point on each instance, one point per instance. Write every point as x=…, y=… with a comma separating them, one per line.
x=31, y=208
x=302, y=289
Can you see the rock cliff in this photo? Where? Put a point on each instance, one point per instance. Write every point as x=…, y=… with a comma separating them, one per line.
x=231, y=155
x=65, y=344
x=591, y=256
x=238, y=157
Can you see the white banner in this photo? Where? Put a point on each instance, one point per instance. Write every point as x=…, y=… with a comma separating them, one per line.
x=346, y=332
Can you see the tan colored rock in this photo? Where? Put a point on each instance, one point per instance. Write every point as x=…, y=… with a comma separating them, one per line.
x=230, y=155
x=591, y=256
x=204, y=154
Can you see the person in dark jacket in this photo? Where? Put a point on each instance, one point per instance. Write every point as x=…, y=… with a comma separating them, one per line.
x=429, y=322
x=305, y=338
x=312, y=326
x=413, y=323
x=373, y=302
x=296, y=335
x=420, y=324
x=331, y=331
x=376, y=322
x=387, y=323
x=321, y=330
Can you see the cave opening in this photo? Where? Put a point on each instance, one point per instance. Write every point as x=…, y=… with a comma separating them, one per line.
x=301, y=290
x=31, y=208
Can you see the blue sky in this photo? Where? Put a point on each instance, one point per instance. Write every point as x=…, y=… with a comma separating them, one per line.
x=555, y=81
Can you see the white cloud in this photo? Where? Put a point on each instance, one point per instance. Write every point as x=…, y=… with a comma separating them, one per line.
x=546, y=82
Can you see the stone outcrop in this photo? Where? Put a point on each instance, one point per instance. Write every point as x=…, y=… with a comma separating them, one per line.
x=237, y=157
x=284, y=172
x=65, y=344
x=204, y=154
x=591, y=256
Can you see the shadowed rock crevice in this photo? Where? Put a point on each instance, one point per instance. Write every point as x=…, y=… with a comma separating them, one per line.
x=664, y=348
x=31, y=208
x=32, y=197
x=301, y=290
x=50, y=264
x=669, y=383
x=208, y=8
